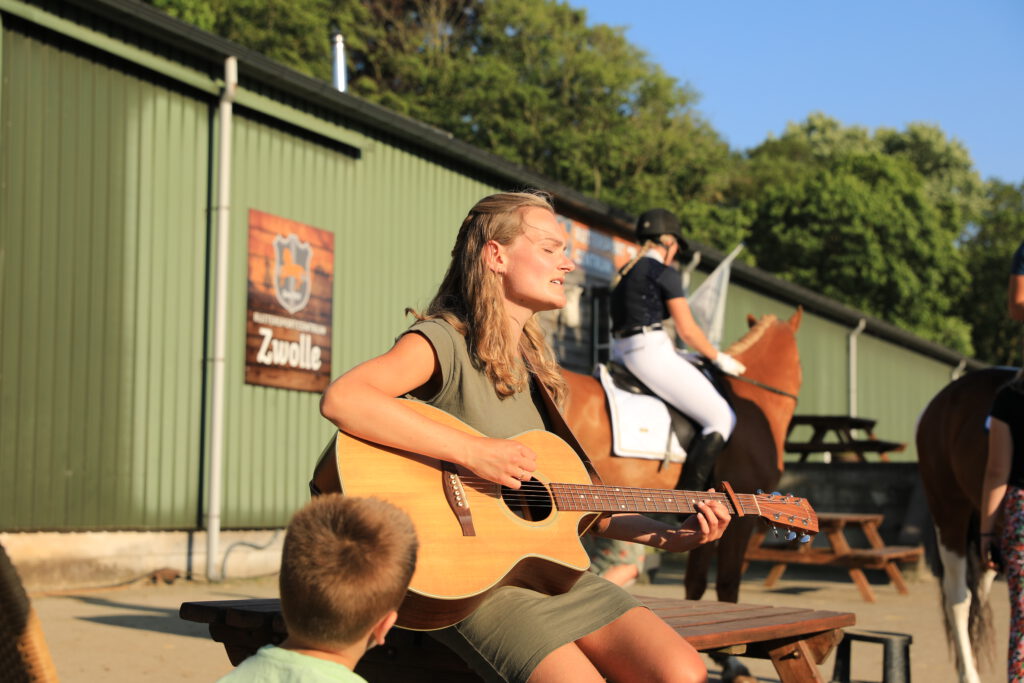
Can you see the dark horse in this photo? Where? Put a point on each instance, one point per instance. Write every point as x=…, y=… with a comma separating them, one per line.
x=752, y=459
x=952, y=449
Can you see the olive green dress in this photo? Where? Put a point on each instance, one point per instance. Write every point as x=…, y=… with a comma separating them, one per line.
x=515, y=628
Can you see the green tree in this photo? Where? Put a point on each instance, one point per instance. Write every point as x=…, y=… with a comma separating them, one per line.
x=988, y=248
x=526, y=79
x=865, y=219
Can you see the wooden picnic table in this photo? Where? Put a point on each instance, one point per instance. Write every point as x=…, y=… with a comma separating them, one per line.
x=834, y=434
x=834, y=525
x=795, y=639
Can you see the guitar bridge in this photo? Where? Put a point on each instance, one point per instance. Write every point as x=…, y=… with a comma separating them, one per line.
x=455, y=494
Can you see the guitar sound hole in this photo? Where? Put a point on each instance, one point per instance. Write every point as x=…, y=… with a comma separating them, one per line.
x=531, y=502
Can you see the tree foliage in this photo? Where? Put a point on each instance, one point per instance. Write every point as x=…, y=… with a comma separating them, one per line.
x=988, y=249
x=870, y=220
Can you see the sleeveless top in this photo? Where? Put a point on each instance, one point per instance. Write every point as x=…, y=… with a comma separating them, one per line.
x=640, y=297
x=468, y=394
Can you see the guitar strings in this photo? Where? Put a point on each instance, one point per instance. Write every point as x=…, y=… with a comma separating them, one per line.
x=551, y=491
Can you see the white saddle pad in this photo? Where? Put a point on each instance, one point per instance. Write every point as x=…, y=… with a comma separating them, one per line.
x=641, y=426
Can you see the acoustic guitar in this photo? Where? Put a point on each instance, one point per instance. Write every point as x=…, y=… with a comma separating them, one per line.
x=476, y=536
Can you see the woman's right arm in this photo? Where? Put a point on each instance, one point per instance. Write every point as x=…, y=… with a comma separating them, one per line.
x=362, y=402
x=997, y=471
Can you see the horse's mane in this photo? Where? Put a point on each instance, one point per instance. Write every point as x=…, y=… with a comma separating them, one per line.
x=753, y=335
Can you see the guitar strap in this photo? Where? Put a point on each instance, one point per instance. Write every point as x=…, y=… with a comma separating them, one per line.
x=561, y=429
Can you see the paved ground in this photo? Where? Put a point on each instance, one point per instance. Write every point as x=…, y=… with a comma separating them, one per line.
x=134, y=633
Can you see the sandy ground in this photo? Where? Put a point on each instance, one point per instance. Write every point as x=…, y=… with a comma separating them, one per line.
x=134, y=633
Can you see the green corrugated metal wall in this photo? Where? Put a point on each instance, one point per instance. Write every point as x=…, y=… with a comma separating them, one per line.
x=102, y=231
x=392, y=213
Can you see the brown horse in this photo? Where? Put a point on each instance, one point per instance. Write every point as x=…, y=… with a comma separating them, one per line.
x=752, y=459
x=952, y=449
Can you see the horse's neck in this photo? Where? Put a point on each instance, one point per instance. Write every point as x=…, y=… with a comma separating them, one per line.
x=772, y=361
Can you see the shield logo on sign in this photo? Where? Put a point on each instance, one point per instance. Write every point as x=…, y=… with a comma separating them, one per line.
x=292, y=273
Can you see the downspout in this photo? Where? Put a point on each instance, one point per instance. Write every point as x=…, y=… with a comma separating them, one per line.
x=220, y=318
x=852, y=363
x=338, y=56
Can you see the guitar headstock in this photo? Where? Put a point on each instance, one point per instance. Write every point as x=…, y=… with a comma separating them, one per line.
x=787, y=512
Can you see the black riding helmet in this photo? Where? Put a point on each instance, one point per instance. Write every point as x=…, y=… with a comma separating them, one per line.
x=657, y=222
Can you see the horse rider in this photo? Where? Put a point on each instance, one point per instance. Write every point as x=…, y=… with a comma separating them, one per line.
x=646, y=293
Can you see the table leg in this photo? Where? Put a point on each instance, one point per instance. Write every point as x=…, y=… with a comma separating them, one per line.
x=857, y=575
x=794, y=662
x=892, y=568
x=774, y=574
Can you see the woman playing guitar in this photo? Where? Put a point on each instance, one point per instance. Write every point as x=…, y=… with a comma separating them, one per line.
x=480, y=355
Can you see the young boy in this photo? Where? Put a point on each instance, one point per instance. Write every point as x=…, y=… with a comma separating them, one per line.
x=345, y=568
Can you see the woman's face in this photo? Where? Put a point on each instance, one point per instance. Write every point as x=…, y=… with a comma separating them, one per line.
x=534, y=265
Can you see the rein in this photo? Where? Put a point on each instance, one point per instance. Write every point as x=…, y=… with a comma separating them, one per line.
x=766, y=387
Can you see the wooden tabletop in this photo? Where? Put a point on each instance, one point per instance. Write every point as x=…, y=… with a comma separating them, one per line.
x=795, y=639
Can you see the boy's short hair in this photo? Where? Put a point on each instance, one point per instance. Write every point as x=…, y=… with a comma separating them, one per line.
x=346, y=563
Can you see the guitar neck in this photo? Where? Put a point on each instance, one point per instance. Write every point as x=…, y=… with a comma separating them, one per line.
x=601, y=498
x=780, y=511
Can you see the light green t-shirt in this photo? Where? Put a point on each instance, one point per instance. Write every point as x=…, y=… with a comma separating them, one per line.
x=272, y=664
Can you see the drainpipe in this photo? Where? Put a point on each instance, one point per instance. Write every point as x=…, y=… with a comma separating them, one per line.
x=852, y=342
x=338, y=56
x=220, y=318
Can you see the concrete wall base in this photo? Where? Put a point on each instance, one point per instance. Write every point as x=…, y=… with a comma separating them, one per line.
x=55, y=561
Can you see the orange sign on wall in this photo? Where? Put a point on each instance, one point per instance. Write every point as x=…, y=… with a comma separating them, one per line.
x=288, y=321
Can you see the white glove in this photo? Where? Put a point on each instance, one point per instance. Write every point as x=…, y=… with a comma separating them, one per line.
x=729, y=365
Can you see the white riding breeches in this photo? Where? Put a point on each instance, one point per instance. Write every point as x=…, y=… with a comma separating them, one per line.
x=655, y=361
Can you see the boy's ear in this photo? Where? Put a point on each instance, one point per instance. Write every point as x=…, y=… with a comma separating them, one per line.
x=494, y=257
x=382, y=627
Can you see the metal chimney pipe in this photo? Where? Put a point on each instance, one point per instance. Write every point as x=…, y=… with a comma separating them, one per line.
x=338, y=55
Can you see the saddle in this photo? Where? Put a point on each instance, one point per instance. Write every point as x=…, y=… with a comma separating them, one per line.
x=638, y=414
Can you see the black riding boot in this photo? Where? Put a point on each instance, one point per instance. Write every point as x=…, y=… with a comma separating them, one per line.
x=700, y=462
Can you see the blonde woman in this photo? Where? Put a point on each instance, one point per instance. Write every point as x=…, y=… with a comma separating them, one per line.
x=479, y=354
x=647, y=293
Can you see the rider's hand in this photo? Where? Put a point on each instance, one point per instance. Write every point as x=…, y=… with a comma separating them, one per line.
x=502, y=461
x=729, y=365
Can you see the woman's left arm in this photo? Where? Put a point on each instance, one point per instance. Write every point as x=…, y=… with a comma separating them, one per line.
x=706, y=525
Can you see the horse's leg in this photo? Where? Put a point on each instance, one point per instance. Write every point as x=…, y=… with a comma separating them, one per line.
x=697, y=563
x=956, y=600
x=731, y=549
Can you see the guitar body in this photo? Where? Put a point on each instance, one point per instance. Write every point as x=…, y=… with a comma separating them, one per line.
x=517, y=539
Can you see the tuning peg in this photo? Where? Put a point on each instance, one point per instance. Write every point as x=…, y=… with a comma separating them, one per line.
x=805, y=538
x=775, y=530
x=790, y=535
x=775, y=494
x=759, y=491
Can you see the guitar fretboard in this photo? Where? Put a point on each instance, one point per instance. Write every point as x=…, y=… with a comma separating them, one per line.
x=598, y=498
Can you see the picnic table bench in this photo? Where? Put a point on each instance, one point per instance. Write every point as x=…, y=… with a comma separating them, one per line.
x=795, y=639
x=834, y=524
x=841, y=429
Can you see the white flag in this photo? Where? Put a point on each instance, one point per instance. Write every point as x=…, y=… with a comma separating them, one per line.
x=708, y=301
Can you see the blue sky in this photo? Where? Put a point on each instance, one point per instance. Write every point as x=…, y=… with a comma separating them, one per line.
x=759, y=64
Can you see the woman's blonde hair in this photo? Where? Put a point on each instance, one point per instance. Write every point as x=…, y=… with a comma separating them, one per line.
x=470, y=299
x=646, y=247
